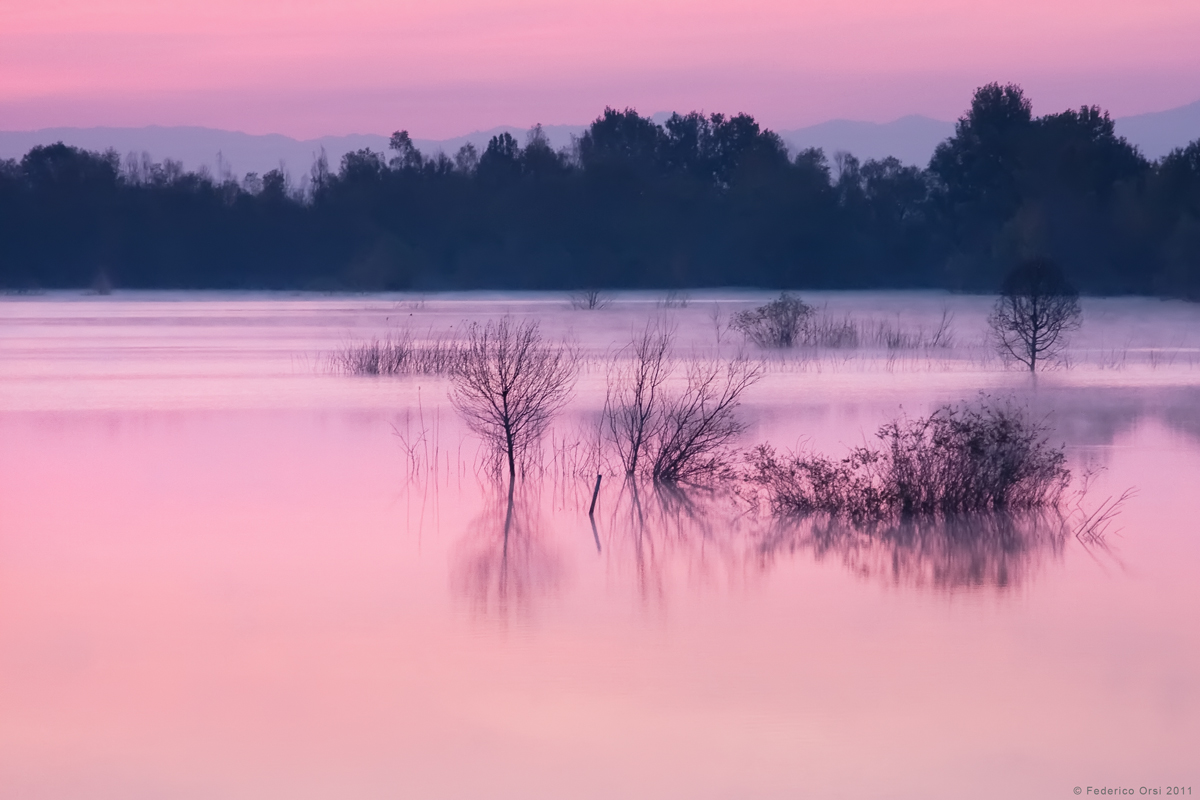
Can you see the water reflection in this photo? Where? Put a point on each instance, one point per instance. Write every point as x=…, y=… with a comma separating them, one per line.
x=655, y=541
x=1100, y=418
x=507, y=561
x=1181, y=410
x=710, y=538
x=997, y=549
x=662, y=534
x=659, y=540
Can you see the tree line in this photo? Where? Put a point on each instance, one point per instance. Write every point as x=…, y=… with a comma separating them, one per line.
x=701, y=200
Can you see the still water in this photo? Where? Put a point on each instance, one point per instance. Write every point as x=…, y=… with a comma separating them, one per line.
x=226, y=572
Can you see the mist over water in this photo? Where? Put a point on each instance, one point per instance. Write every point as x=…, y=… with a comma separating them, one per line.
x=226, y=570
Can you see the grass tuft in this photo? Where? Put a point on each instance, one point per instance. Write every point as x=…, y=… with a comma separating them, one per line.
x=399, y=354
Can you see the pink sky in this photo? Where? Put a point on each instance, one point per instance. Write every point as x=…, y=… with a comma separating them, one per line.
x=445, y=67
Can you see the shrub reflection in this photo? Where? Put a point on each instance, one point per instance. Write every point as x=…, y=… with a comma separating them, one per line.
x=995, y=549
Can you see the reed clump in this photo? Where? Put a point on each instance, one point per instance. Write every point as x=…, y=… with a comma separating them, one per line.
x=985, y=456
x=847, y=332
x=400, y=354
x=790, y=322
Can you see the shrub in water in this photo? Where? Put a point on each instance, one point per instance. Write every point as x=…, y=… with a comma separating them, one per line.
x=980, y=457
x=777, y=324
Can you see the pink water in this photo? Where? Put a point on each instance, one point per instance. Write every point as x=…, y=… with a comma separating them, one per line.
x=219, y=577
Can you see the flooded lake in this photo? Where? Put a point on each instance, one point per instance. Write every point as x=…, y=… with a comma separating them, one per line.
x=227, y=571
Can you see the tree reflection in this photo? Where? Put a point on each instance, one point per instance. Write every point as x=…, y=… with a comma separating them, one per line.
x=996, y=549
x=668, y=533
x=663, y=540
x=505, y=562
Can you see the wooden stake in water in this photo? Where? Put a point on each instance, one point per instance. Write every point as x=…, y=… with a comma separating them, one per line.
x=595, y=494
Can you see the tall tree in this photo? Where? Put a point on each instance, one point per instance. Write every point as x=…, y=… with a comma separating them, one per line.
x=977, y=172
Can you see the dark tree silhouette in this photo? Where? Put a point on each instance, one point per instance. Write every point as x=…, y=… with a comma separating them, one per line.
x=979, y=165
x=621, y=140
x=1036, y=310
x=589, y=299
x=700, y=200
x=501, y=161
x=407, y=155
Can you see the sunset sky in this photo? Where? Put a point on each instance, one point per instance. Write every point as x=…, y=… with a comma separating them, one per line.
x=308, y=68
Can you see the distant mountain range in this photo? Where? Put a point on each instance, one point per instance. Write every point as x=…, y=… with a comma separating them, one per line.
x=912, y=139
x=1160, y=132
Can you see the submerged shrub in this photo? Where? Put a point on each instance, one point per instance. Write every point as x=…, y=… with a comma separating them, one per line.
x=633, y=403
x=777, y=324
x=970, y=458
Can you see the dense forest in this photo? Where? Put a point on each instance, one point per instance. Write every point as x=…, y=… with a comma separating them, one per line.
x=699, y=201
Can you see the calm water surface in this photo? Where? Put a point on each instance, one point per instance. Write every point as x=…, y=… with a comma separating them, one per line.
x=228, y=573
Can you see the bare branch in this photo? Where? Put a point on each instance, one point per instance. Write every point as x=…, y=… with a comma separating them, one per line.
x=634, y=400
x=697, y=428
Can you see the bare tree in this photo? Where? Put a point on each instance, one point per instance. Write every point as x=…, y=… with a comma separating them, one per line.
x=1036, y=310
x=589, y=299
x=633, y=405
x=675, y=299
x=720, y=324
x=777, y=324
x=692, y=439
x=673, y=436
x=510, y=383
